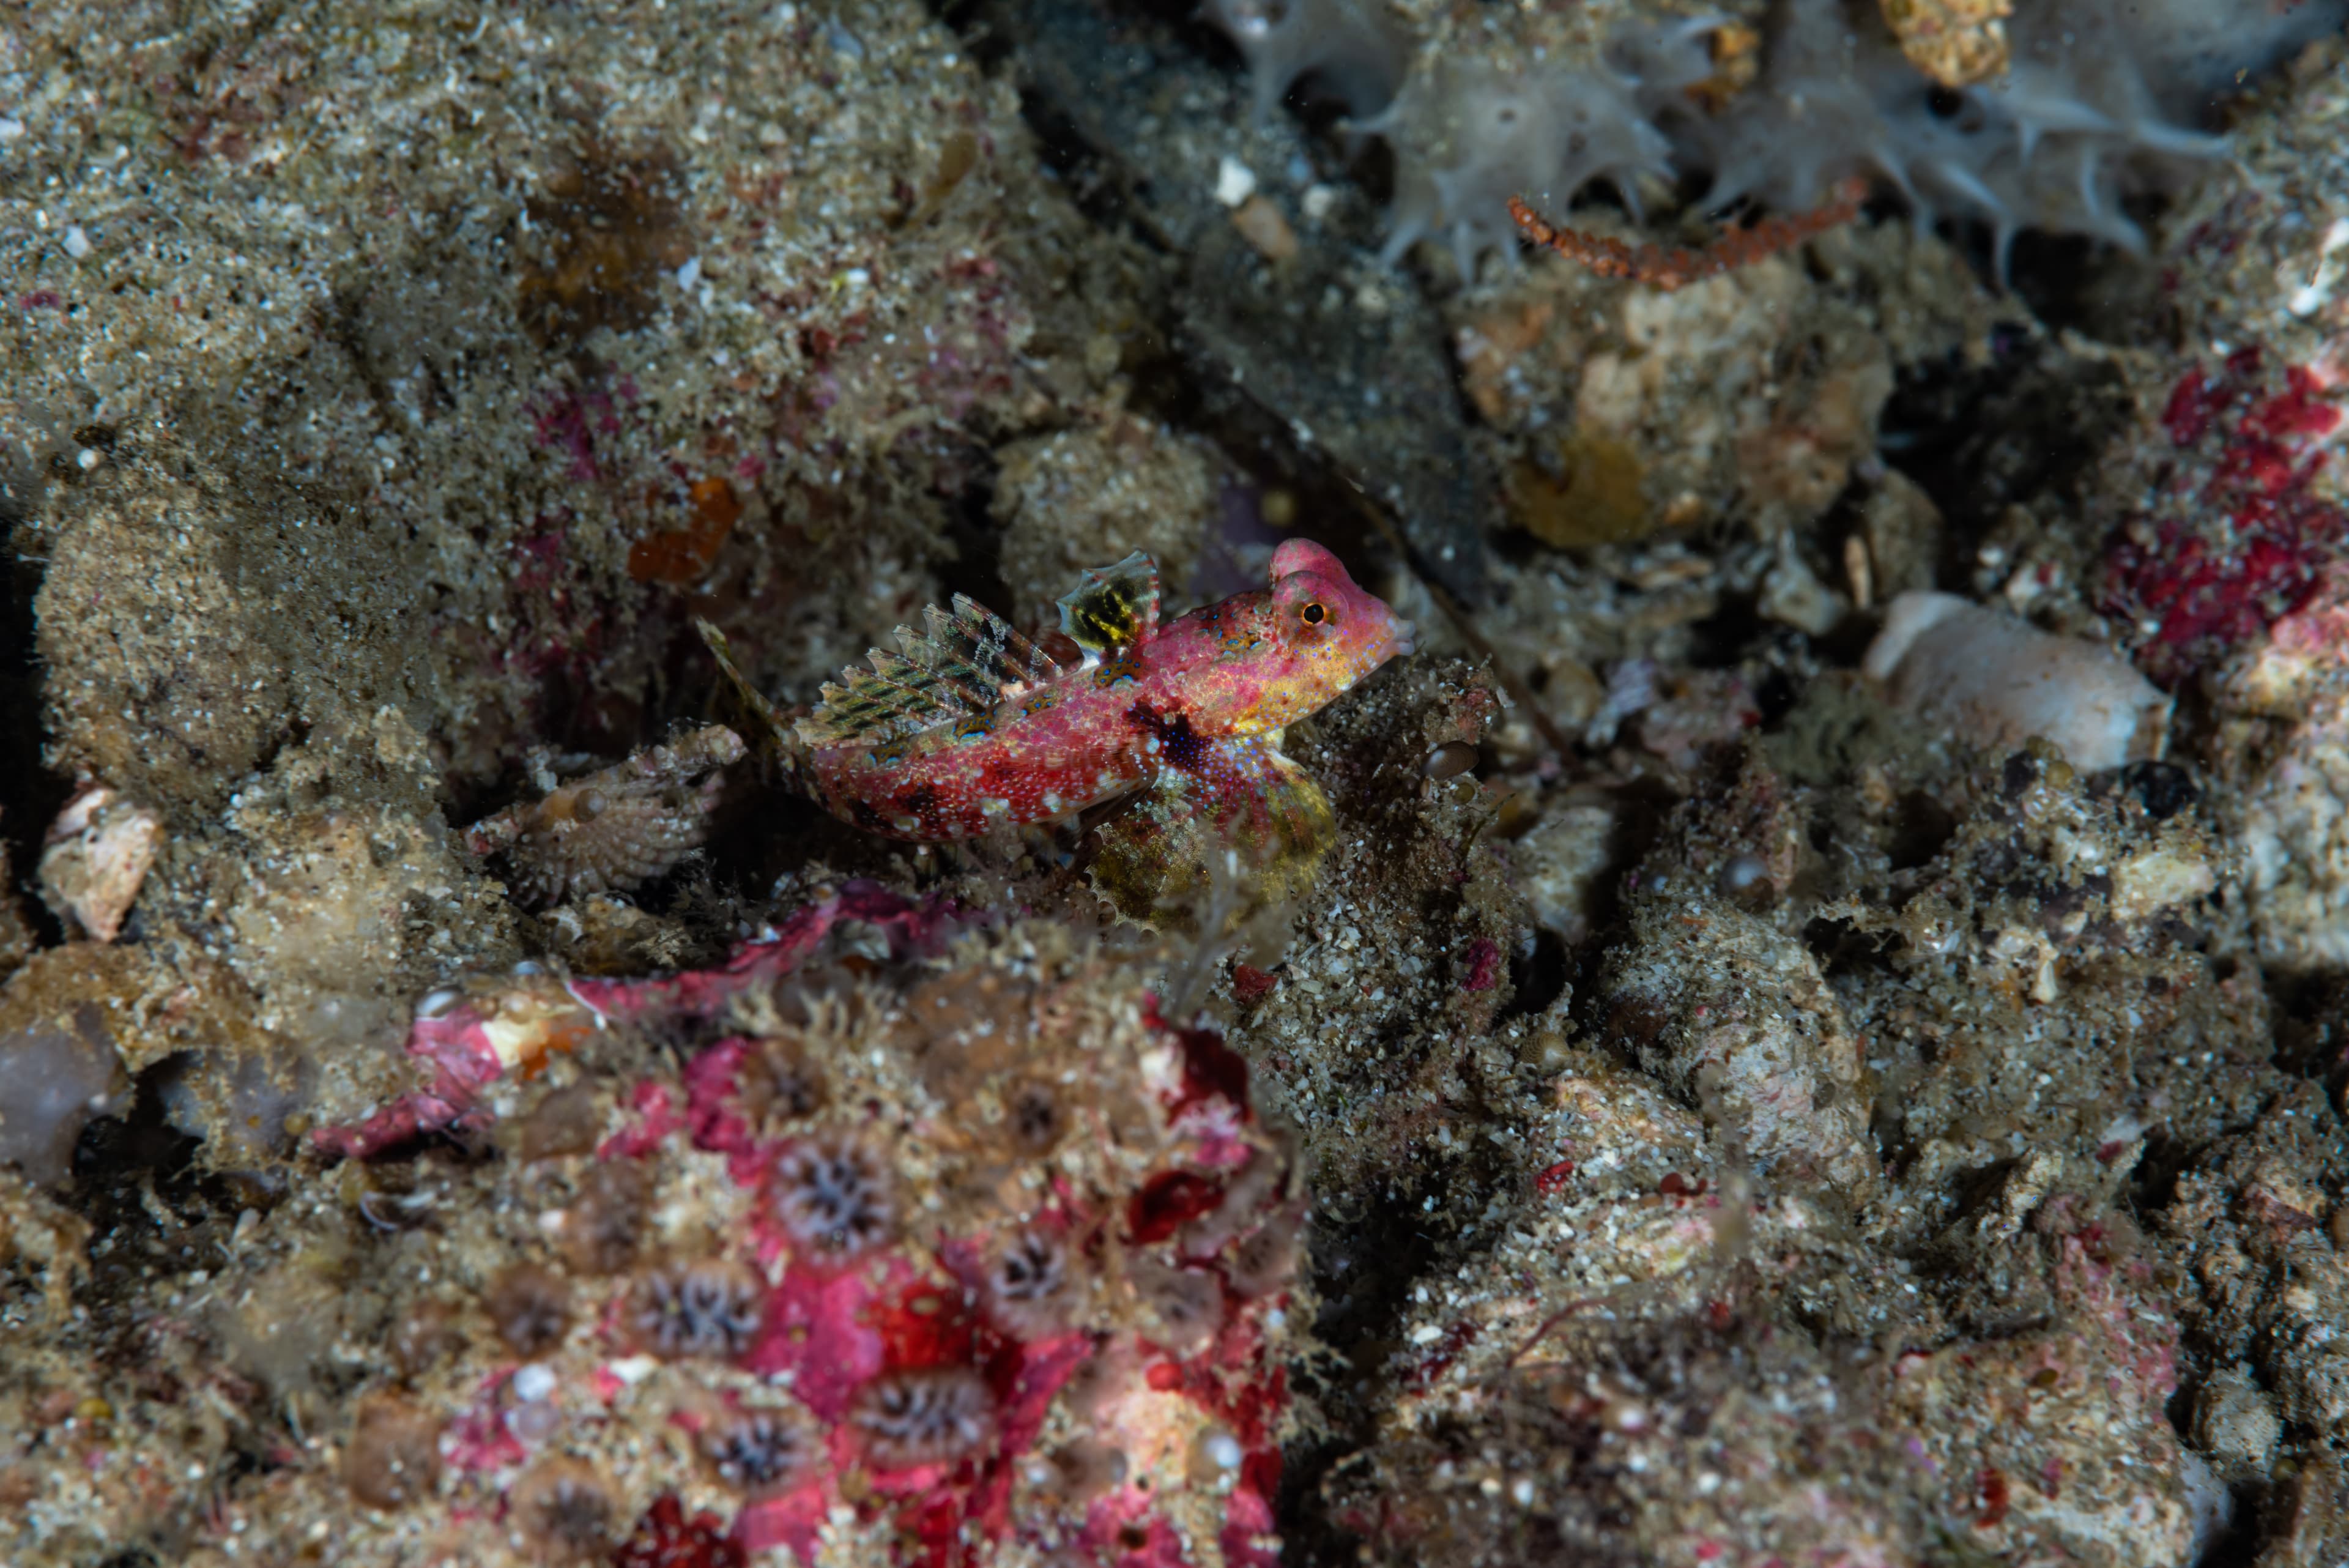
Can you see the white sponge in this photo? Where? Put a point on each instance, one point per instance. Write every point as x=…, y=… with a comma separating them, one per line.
x=1999, y=681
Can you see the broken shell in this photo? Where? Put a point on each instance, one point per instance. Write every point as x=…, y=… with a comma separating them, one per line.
x=98, y=853
x=2000, y=680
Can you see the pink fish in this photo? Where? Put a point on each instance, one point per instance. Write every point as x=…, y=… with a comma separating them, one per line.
x=971, y=727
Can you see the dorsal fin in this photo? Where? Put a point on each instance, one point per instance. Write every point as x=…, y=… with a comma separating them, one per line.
x=1114, y=607
x=969, y=661
x=979, y=639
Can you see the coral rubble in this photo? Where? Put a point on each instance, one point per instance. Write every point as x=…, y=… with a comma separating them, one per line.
x=1803, y=1014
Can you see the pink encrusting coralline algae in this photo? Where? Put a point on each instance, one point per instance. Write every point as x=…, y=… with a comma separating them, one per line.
x=466, y=1038
x=939, y=1241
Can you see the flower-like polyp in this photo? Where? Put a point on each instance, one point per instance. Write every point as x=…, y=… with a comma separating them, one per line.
x=1012, y=1267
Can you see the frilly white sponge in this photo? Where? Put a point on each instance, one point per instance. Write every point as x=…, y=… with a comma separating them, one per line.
x=2051, y=143
x=2095, y=95
x=1353, y=47
x=1469, y=134
x=1999, y=681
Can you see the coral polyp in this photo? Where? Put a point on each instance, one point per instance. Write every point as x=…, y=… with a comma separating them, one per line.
x=564, y=1512
x=601, y=1229
x=832, y=1194
x=703, y=1307
x=530, y=1307
x=940, y=1414
x=761, y=1451
x=1032, y=1283
x=1185, y=1305
x=1035, y=1118
x=394, y=1455
x=779, y=1083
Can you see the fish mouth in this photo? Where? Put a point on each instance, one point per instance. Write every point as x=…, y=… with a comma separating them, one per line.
x=1404, y=631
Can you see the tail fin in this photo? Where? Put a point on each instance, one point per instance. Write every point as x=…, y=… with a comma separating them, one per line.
x=777, y=741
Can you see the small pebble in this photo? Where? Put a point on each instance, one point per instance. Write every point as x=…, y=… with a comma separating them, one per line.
x=1746, y=878
x=1260, y=223
x=1449, y=760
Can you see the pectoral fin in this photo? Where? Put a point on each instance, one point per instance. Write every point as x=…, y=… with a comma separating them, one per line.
x=1245, y=809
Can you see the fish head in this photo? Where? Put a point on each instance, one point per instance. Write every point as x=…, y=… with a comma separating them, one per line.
x=1326, y=633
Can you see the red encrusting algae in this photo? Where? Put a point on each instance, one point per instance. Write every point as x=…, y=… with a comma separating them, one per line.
x=2238, y=537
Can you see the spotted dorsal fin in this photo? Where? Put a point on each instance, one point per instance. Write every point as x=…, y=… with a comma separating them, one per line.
x=980, y=649
x=1114, y=607
x=968, y=661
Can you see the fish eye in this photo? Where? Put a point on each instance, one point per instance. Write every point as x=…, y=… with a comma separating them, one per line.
x=1313, y=614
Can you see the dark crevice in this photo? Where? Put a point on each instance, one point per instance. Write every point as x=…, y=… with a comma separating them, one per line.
x=974, y=543
x=2240, y=1541
x=1091, y=180
x=1922, y=827
x=1537, y=978
x=2074, y=283
x=2025, y=427
x=2312, y=1025
x=1187, y=24
x=1363, y=1268
x=155, y=1211
x=1840, y=949
x=1723, y=640
x=31, y=795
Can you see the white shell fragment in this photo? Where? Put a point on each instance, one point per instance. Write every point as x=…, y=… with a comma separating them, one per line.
x=2000, y=680
x=1235, y=182
x=96, y=854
